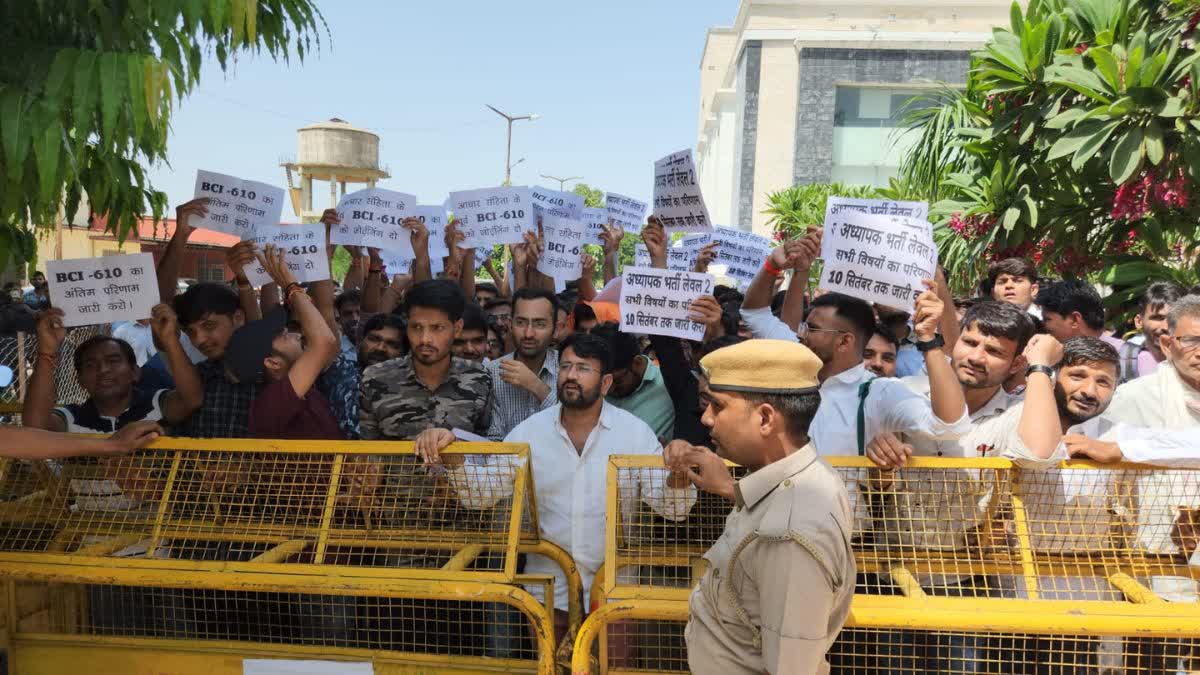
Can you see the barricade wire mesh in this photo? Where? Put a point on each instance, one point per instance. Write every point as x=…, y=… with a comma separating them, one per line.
x=19, y=352
x=362, y=504
x=950, y=527
x=453, y=628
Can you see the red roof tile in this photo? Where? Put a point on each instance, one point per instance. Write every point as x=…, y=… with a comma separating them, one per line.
x=148, y=230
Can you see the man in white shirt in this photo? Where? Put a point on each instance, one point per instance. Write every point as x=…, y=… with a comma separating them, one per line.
x=855, y=405
x=570, y=444
x=138, y=335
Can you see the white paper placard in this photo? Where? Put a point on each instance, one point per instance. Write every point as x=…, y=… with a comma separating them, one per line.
x=741, y=252
x=500, y=215
x=103, y=290
x=373, y=218
x=482, y=255
x=627, y=212
x=594, y=220
x=396, y=264
x=555, y=202
x=677, y=258
x=236, y=206
x=434, y=218
x=298, y=667
x=839, y=206
x=678, y=203
x=656, y=302
x=303, y=251
x=564, y=243
x=881, y=259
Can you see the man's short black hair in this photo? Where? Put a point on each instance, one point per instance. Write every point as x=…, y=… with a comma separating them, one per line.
x=725, y=293
x=1085, y=349
x=1000, y=320
x=486, y=286
x=587, y=346
x=82, y=350
x=798, y=410
x=623, y=347
x=1072, y=295
x=1014, y=267
x=717, y=343
x=886, y=333
x=352, y=296
x=1158, y=294
x=474, y=318
x=440, y=294
x=382, y=320
x=856, y=312
x=497, y=302
x=204, y=298
x=537, y=294
x=584, y=312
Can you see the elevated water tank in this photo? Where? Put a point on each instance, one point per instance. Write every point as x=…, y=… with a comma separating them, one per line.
x=337, y=145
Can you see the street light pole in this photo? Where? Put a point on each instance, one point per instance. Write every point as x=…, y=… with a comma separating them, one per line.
x=561, y=181
x=508, y=151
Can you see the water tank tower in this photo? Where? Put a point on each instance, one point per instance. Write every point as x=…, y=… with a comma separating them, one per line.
x=334, y=152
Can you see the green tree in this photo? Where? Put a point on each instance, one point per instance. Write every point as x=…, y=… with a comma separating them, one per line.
x=87, y=91
x=1076, y=144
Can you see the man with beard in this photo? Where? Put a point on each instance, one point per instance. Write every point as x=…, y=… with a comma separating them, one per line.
x=471, y=343
x=940, y=509
x=523, y=382
x=570, y=444
x=39, y=297
x=1141, y=354
x=348, y=307
x=855, y=405
x=779, y=581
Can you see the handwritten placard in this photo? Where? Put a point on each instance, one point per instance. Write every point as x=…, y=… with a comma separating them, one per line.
x=303, y=249
x=555, y=202
x=594, y=220
x=835, y=206
x=564, y=243
x=103, y=290
x=236, y=206
x=677, y=258
x=656, y=302
x=881, y=259
x=677, y=199
x=500, y=215
x=627, y=212
x=373, y=218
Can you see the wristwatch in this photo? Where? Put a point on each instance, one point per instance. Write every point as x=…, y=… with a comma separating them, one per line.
x=1046, y=370
x=936, y=343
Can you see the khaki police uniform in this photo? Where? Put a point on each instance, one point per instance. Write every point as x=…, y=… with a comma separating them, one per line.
x=780, y=578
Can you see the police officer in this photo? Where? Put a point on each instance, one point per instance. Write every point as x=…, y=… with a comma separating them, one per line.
x=781, y=576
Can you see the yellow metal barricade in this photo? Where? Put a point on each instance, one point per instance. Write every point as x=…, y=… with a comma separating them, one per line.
x=1079, y=557
x=207, y=548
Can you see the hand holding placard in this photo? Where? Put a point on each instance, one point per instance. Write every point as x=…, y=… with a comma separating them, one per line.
x=235, y=206
x=659, y=302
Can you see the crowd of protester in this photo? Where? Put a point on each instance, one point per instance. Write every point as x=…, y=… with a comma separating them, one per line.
x=1027, y=368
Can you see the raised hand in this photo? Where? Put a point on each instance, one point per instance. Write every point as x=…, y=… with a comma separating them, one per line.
x=655, y=238
x=418, y=235
x=164, y=324
x=705, y=257
x=612, y=236
x=50, y=331
x=272, y=261
x=1043, y=350
x=238, y=256
x=927, y=312
x=196, y=207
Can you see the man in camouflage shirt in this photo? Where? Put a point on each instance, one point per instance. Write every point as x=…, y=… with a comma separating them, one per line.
x=426, y=389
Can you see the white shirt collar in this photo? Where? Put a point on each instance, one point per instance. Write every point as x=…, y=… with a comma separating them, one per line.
x=853, y=375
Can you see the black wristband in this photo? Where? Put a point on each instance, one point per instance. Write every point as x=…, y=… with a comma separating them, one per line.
x=1046, y=370
x=936, y=343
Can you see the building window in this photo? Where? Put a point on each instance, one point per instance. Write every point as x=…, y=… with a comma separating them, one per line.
x=867, y=147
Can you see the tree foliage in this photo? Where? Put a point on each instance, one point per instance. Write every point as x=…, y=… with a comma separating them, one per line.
x=87, y=90
x=1076, y=143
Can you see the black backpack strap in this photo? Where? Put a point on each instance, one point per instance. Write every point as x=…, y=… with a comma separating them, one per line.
x=864, y=390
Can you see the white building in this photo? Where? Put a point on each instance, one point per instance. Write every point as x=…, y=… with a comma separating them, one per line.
x=808, y=92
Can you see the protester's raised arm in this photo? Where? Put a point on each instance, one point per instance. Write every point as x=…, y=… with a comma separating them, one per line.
x=39, y=397
x=1040, y=429
x=945, y=391
x=168, y=265
x=375, y=281
x=320, y=344
x=419, y=236
x=188, y=395
x=793, y=301
x=237, y=257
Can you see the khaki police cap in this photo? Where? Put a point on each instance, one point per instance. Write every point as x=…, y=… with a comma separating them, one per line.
x=763, y=366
